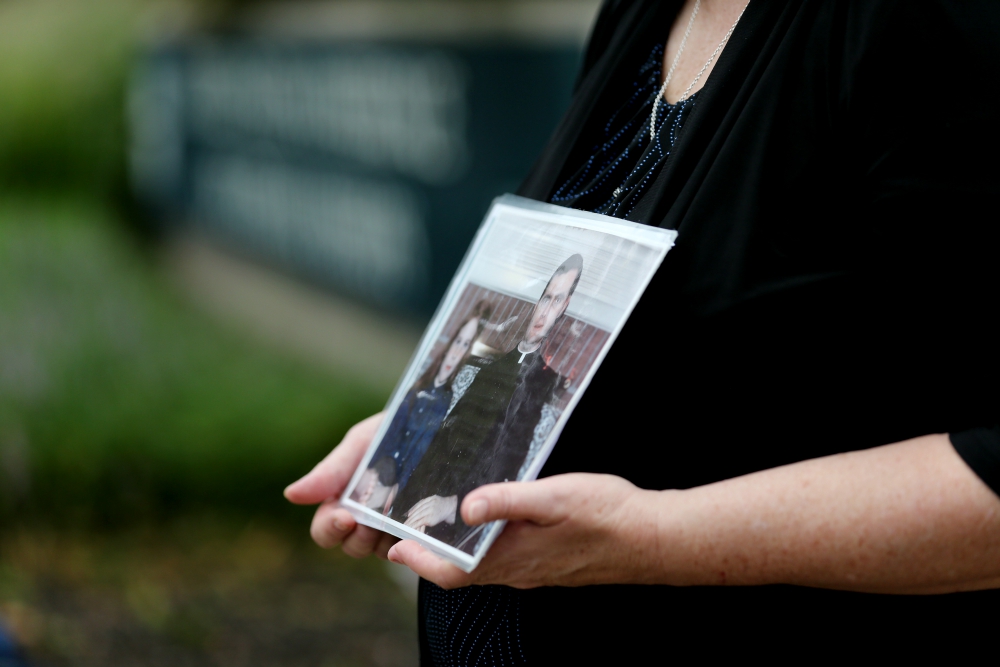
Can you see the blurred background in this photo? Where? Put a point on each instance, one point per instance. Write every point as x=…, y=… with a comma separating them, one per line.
x=223, y=226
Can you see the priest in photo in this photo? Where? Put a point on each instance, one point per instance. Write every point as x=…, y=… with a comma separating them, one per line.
x=487, y=435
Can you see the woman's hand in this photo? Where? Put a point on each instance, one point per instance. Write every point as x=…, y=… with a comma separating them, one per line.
x=332, y=524
x=910, y=517
x=567, y=530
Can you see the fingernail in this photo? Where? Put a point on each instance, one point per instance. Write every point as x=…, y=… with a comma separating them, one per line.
x=477, y=511
x=393, y=557
x=339, y=524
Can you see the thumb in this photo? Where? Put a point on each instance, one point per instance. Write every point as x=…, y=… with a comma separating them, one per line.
x=541, y=502
x=326, y=480
x=331, y=475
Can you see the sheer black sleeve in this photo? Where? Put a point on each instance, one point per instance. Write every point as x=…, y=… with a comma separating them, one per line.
x=980, y=449
x=606, y=23
x=929, y=189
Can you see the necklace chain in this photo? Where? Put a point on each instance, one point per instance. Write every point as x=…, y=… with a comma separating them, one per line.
x=677, y=58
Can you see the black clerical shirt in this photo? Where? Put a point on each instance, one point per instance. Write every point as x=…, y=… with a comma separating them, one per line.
x=484, y=439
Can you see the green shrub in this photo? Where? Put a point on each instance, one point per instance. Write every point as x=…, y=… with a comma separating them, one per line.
x=63, y=65
x=118, y=403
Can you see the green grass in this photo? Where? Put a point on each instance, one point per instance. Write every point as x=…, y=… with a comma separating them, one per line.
x=118, y=403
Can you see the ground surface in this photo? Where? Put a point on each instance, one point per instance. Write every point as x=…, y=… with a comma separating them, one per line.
x=199, y=593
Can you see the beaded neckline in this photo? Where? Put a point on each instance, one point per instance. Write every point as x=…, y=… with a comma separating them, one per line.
x=623, y=165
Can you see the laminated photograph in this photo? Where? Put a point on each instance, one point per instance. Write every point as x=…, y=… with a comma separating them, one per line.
x=532, y=311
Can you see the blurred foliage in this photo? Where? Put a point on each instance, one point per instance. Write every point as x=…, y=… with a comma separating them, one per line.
x=63, y=65
x=121, y=408
x=117, y=403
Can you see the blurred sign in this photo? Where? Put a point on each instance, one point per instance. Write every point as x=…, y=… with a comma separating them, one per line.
x=364, y=166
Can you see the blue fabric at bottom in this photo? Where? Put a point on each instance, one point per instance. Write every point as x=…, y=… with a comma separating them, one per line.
x=10, y=655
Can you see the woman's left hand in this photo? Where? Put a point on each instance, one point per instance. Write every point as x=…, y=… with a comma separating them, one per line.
x=910, y=517
x=567, y=530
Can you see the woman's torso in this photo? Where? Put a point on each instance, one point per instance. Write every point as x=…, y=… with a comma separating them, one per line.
x=830, y=290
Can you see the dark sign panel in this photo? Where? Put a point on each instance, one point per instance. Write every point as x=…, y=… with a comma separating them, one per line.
x=366, y=168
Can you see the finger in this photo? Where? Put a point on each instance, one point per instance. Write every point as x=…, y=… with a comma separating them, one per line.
x=420, y=507
x=331, y=525
x=385, y=543
x=541, y=502
x=422, y=517
x=389, y=500
x=416, y=523
x=361, y=542
x=418, y=515
x=331, y=475
x=428, y=566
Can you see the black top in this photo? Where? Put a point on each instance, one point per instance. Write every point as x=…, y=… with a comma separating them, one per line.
x=625, y=162
x=831, y=290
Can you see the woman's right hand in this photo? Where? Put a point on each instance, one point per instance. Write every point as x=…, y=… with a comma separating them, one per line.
x=332, y=524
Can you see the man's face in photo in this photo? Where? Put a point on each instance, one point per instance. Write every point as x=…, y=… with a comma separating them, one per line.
x=550, y=307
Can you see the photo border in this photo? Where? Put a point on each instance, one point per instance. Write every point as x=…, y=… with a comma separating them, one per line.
x=657, y=238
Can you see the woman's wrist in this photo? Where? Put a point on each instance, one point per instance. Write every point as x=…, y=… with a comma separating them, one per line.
x=696, y=537
x=697, y=541
x=654, y=539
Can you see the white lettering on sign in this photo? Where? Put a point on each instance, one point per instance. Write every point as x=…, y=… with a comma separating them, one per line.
x=400, y=111
x=366, y=234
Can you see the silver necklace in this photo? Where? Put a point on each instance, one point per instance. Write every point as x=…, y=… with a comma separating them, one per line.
x=673, y=66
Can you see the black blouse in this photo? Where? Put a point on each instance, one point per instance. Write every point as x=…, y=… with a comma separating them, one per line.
x=832, y=289
x=627, y=160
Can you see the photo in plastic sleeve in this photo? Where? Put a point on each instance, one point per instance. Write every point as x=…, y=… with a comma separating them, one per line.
x=530, y=314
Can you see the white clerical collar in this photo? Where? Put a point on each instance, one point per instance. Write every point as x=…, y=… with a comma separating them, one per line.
x=523, y=353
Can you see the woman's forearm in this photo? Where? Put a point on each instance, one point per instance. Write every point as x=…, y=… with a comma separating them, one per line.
x=904, y=518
